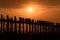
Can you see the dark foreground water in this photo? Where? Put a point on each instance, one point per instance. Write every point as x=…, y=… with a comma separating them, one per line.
x=14, y=36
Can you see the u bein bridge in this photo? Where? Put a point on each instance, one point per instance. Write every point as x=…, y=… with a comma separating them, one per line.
x=27, y=26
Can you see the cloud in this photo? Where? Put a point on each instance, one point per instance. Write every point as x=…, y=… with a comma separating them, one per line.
x=50, y=2
x=18, y=3
x=11, y=3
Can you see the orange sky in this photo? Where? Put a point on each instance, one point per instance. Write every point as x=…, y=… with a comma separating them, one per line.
x=41, y=10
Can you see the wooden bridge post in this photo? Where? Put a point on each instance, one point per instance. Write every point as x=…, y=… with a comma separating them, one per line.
x=32, y=25
x=3, y=25
x=35, y=27
x=15, y=20
x=27, y=28
x=7, y=26
x=52, y=28
x=23, y=25
x=19, y=25
x=11, y=25
x=1, y=22
x=40, y=29
x=55, y=28
x=48, y=27
x=43, y=29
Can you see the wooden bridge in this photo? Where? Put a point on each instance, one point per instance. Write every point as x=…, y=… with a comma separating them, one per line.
x=27, y=26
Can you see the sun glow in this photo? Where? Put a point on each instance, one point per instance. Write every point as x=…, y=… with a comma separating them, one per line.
x=30, y=9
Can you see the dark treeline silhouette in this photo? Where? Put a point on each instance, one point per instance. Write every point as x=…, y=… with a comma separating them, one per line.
x=27, y=26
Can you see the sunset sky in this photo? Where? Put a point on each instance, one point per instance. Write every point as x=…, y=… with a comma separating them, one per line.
x=47, y=10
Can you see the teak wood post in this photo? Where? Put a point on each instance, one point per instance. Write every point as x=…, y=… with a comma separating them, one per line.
x=39, y=29
x=35, y=27
x=15, y=20
x=23, y=26
x=3, y=25
x=32, y=25
x=11, y=24
x=27, y=28
x=7, y=25
x=1, y=22
x=19, y=25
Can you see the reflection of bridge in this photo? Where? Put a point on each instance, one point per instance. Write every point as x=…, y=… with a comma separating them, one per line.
x=28, y=26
